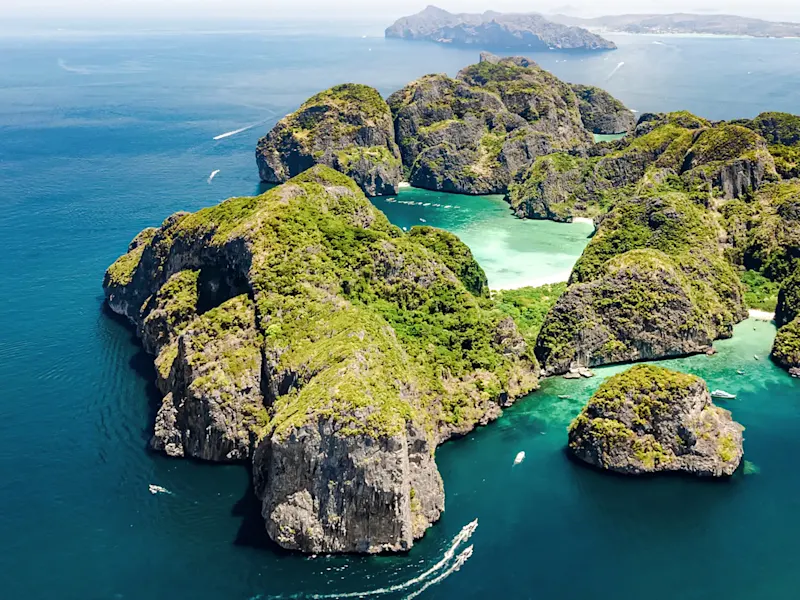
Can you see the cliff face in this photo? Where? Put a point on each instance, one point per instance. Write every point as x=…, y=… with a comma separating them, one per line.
x=782, y=133
x=302, y=331
x=649, y=420
x=495, y=30
x=786, y=351
x=348, y=127
x=475, y=133
x=601, y=112
x=652, y=283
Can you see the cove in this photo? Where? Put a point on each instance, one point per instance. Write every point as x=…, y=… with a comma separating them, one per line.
x=514, y=253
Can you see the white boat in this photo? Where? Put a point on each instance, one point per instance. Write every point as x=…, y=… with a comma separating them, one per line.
x=723, y=395
x=520, y=457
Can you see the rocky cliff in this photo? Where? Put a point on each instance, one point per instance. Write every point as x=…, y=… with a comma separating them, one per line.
x=601, y=112
x=491, y=29
x=348, y=127
x=782, y=133
x=725, y=161
x=650, y=420
x=301, y=331
x=473, y=134
x=653, y=282
x=786, y=351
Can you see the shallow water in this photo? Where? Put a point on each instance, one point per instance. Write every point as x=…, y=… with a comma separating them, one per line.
x=102, y=136
x=514, y=253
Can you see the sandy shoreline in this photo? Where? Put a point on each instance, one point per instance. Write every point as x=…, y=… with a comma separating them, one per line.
x=761, y=315
x=583, y=220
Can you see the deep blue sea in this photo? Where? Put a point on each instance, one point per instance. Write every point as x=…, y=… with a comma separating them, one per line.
x=103, y=134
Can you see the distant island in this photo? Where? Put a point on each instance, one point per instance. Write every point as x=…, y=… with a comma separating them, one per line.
x=495, y=30
x=683, y=23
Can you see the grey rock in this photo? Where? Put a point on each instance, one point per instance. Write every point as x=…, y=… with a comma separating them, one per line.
x=496, y=30
x=651, y=420
x=602, y=113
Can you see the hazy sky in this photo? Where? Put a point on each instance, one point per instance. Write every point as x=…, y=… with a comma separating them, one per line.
x=390, y=9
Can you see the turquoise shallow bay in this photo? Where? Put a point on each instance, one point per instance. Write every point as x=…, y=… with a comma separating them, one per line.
x=89, y=156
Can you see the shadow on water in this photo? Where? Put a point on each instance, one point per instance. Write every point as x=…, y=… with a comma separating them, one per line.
x=143, y=366
x=252, y=533
x=263, y=188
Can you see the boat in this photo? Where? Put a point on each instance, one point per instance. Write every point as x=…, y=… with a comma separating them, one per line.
x=723, y=395
x=756, y=357
x=564, y=397
x=740, y=372
x=520, y=457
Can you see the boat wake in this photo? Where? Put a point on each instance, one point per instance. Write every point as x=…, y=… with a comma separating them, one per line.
x=157, y=489
x=615, y=71
x=213, y=174
x=451, y=561
x=228, y=134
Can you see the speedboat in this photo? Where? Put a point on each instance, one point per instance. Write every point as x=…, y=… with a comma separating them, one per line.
x=723, y=395
x=520, y=457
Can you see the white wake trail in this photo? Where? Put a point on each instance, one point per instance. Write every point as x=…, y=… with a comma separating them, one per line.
x=222, y=136
x=615, y=71
x=213, y=174
x=462, y=536
x=462, y=558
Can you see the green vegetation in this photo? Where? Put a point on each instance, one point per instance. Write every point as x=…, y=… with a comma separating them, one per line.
x=653, y=257
x=620, y=416
x=121, y=272
x=349, y=97
x=529, y=306
x=562, y=186
x=760, y=292
x=786, y=350
x=349, y=156
x=380, y=328
x=649, y=388
x=726, y=447
x=789, y=298
x=455, y=254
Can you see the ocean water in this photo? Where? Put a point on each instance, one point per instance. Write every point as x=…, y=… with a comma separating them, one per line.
x=102, y=135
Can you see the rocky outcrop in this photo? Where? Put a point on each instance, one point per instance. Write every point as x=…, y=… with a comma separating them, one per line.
x=729, y=158
x=301, y=331
x=529, y=32
x=473, y=134
x=651, y=420
x=652, y=283
x=770, y=242
x=782, y=133
x=602, y=113
x=348, y=127
x=786, y=350
x=724, y=161
x=562, y=186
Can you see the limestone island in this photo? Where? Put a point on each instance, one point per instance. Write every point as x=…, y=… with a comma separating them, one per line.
x=509, y=31
x=650, y=420
x=301, y=333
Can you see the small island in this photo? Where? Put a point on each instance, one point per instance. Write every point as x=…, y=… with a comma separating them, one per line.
x=494, y=30
x=651, y=420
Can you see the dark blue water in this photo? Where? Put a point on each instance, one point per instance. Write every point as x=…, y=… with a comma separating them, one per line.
x=102, y=135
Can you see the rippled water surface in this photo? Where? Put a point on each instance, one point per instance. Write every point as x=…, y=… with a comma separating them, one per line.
x=101, y=136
